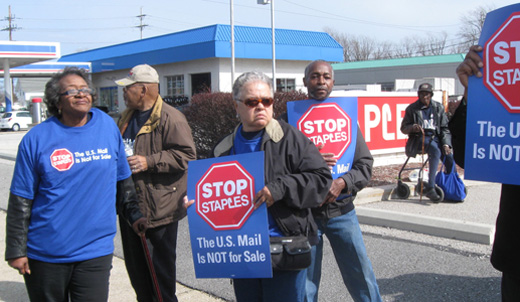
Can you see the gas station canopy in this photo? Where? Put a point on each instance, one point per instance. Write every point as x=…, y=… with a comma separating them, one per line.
x=23, y=53
x=30, y=59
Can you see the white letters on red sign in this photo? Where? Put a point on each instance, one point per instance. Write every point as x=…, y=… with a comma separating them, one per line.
x=503, y=56
x=376, y=117
x=502, y=64
x=330, y=125
x=224, y=196
x=230, y=188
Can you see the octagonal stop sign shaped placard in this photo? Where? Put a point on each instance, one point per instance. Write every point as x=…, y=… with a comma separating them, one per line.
x=62, y=159
x=225, y=196
x=502, y=64
x=327, y=125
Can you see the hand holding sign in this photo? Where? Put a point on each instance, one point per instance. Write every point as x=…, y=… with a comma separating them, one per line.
x=335, y=189
x=328, y=157
x=470, y=66
x=187, y=203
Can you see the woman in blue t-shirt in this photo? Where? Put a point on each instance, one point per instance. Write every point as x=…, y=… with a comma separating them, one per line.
x=61, y=217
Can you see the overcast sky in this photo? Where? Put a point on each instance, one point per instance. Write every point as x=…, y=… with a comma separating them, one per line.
x=92, y=24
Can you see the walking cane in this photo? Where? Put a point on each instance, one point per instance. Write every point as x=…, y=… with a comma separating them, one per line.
x=422, y=166
x=150, y=268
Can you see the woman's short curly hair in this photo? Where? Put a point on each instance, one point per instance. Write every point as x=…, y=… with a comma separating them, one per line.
x=251, y=76
x=53, y=88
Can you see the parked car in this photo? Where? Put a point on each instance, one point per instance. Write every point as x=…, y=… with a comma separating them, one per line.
x=15, y=120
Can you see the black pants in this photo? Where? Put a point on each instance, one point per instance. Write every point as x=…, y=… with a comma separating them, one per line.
x=162, y=242
x=510, y=288
x=84, y=281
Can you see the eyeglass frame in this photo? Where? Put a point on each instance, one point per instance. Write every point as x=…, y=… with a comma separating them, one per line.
x=253, y=102
x=75, y=92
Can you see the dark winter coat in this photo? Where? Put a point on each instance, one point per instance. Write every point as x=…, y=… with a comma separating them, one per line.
x=165, y=140
x=295, y=173
x=504, y=256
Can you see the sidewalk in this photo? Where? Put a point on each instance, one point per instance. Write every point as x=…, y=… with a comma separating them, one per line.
x=472, y=221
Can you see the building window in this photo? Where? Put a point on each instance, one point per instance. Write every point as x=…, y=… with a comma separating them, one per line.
x=108, y=99
x=175, y=85
x=284, y=85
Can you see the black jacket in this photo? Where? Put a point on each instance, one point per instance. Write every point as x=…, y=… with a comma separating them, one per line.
x=413, y=115
x=295, y=174
x=505, y=254
x=356, y=179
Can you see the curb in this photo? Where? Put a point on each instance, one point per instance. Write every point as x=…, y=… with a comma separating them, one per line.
x=440, y=227
x=7, y=157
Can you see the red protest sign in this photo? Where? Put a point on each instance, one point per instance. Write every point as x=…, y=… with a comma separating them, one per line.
x=225, y=196
x=502, y=68
x=328, y=125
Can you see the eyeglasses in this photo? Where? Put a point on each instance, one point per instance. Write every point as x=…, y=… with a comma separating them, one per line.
x=252, y=102
x=74, y=92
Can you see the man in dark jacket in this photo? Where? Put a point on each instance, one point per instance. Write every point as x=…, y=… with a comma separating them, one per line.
x=504, y=256
x=336, y=218
x=427, y=118
x=160, y=146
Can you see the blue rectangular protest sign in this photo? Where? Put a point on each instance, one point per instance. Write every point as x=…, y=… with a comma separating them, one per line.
x=493, y=116
x=229, y=238
x=331, y=125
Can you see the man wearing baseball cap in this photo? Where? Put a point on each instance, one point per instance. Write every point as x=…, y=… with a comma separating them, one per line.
x=428, y=117
x=159, y=146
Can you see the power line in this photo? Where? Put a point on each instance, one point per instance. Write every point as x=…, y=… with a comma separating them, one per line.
x=141, y=25
x=11, y=27
x=342, y=17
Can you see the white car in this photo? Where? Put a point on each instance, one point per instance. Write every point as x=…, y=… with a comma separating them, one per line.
x=15, y=120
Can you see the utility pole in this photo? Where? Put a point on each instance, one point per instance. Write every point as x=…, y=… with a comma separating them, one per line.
x=141, y=26
x=11, y=27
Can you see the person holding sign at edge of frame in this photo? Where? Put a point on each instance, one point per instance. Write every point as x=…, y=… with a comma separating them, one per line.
x=336, y=218
x=504, y=256
x=296, y=176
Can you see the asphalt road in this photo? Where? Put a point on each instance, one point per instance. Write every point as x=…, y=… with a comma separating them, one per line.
x=408, y=266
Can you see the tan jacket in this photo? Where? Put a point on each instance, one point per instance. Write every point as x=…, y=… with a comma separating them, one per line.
x=166, y=141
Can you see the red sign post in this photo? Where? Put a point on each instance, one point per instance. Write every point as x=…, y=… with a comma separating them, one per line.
x=62, y=159
x=502, y=68
x=225, y=196
x=327, y=125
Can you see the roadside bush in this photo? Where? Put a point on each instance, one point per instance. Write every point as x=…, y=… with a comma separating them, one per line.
x=212, y=115
x=281, y=99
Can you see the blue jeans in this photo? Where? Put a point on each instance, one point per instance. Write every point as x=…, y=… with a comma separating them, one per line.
x=434, y=156
x=349, y=250
x=284, y=286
